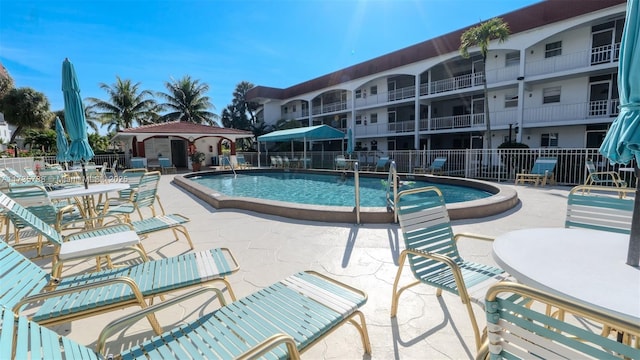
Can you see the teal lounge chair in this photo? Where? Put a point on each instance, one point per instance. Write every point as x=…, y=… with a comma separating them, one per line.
x=602, y=178
x=165, y=166
x=541, y=172
x=138, y=163
x=340, y=163
x=430, y=249
x=436, y=167
x=278, y=322
x=600, y=208
x=382, y=164
x=518, y=330
x=242, y=163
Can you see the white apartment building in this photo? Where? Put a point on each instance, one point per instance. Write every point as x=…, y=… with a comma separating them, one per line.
x=553, y=83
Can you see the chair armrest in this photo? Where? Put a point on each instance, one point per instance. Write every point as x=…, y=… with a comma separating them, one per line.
x=472, y=236
x=125, y=321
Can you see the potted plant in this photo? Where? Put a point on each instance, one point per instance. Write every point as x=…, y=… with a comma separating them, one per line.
x=196, y=160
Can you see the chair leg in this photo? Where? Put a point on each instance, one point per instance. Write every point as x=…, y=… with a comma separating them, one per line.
x=362, y=329
x=395, y=296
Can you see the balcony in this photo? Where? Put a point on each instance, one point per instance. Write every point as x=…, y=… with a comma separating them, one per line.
x=605, y=54
x=455, y=122
x=603, y=108
x=329, y=108
x=456, y=83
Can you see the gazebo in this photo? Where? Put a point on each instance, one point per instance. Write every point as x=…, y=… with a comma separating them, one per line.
x=175, y=139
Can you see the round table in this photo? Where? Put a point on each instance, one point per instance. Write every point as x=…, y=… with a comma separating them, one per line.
x=84, y=197
x=587, y=266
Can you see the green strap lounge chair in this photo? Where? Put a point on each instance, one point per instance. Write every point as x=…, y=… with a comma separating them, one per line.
x=242, y=162
x=278, y=322
x=165, y=165
x=382, y=164
x=602, y=178
x=432, y=254
x=541, y=172
x=600, y=208
x=518, y=330
x=436, y=167
x=143, y=201
x=24, y=283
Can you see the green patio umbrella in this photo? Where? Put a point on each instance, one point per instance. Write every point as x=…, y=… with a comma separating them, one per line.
x=79, y=148
x=61, y=142
x=622, y=143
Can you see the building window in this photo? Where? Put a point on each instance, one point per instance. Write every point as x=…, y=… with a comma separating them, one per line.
x=358, y=94
x=392, y=117
x=358, y=119
x=549, y=140
x=510, y=100
x=373, y=90
x=553, y=49
x=286, y=109
x=551, y=95
x=512, y=58
x=374, y=118
x=293, y=108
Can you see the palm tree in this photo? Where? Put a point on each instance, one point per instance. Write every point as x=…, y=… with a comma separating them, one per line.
x=186, y=101
x=240, y=101
x=127, y=105
x=480, y=36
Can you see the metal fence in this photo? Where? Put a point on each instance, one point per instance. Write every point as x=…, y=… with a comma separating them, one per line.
x=500, y=165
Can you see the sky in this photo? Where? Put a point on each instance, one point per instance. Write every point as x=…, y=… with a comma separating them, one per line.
x=274, y=43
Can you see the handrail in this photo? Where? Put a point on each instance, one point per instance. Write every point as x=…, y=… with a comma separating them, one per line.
x=392, y=185
x=230, y=165
x=356, y=186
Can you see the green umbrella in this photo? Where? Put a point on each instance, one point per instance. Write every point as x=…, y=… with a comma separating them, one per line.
x=79, y=148
x=622, y=142
x=61, y=142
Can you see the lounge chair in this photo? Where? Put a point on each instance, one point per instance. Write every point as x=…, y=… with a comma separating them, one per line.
x=430, y=249
x=242, y=163
x=602, y=178
x=145, y=198
x=436, y=167
x=600, y=208
x=382, y=164
x=280, y=321
x=340, y=163
x=138, y=163
x=541, y=172
x=104, y=241
x=518, y=330
x=62, y=300
x=165, y=166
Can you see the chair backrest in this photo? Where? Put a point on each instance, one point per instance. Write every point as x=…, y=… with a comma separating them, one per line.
x=20, y=214
x=517, y=330
x=12, y=172
x=164, y=162
x=382, y=163
x=21, y=277
x=132, y=177
x=600, y=208
x=33, y=341
x=425, y=226
x=341, y=161
x=544, y=165
x=240, y=159
x=137, y=163
x=145, y=194
x=35, y=199
x=438, y=163
x=30, y=173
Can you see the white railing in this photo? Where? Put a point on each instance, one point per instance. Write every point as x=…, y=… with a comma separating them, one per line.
x=327, y=108
x=558, y=63
x=455, y=83
x=605, y=53
x=602, y=108
x=456, y=121
x=497, y=165
x=402, y=93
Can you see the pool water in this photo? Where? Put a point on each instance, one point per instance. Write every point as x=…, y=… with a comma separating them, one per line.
x=321, y=189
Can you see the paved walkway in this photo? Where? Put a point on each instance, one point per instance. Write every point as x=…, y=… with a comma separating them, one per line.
x=269, y=248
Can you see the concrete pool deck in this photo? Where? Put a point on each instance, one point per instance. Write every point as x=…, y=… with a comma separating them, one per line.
x=270, y=248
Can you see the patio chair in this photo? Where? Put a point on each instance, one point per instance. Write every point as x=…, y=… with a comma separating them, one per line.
x=340, y=163
x=541, y=172
x=242, y=163
x=52, y=300
x=600, y=208
x=518, y=330
x=104, y=241
x=138, y=163
x=430, y=249
x=144, y=199
x=602, y=178
x=436, y=167
x=382, y=164
x=165, y=166
x=280, y=321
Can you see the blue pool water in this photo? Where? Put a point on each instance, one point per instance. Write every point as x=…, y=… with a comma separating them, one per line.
x=321, y=189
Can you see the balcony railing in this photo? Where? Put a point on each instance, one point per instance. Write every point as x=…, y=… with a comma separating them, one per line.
x=401, y=126
x=328, y=108
x=457, y=121
x=403, y=93
x=606, y=53
x=602, y=108
x=456, y=83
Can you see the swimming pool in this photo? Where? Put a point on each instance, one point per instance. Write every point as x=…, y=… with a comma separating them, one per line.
x=501, y=198
x=332, y=189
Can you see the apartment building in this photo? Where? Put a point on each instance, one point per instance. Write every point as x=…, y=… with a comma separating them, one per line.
x=553, y=83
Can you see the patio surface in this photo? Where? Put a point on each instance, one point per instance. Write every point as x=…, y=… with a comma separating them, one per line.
x=270, y=248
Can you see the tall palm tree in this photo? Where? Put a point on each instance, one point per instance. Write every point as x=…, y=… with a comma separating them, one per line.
x=186, y=101
x=127, y=105
x=240, y=101
x=480, y=36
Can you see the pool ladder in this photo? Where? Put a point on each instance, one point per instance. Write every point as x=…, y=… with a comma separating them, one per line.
x=230, y=165
x=392, y=189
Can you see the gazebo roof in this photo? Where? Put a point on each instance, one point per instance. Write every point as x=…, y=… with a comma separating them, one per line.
x=182, y=129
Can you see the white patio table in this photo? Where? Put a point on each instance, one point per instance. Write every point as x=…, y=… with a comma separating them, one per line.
x=586, y=266
x=85, y=197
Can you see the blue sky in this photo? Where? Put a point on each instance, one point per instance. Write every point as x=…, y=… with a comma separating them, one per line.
x=266, y=42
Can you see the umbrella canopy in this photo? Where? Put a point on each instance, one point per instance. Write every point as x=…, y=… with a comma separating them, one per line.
x=349, y=141
x=79, y=149
x=61, y=142
x=622, y=142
